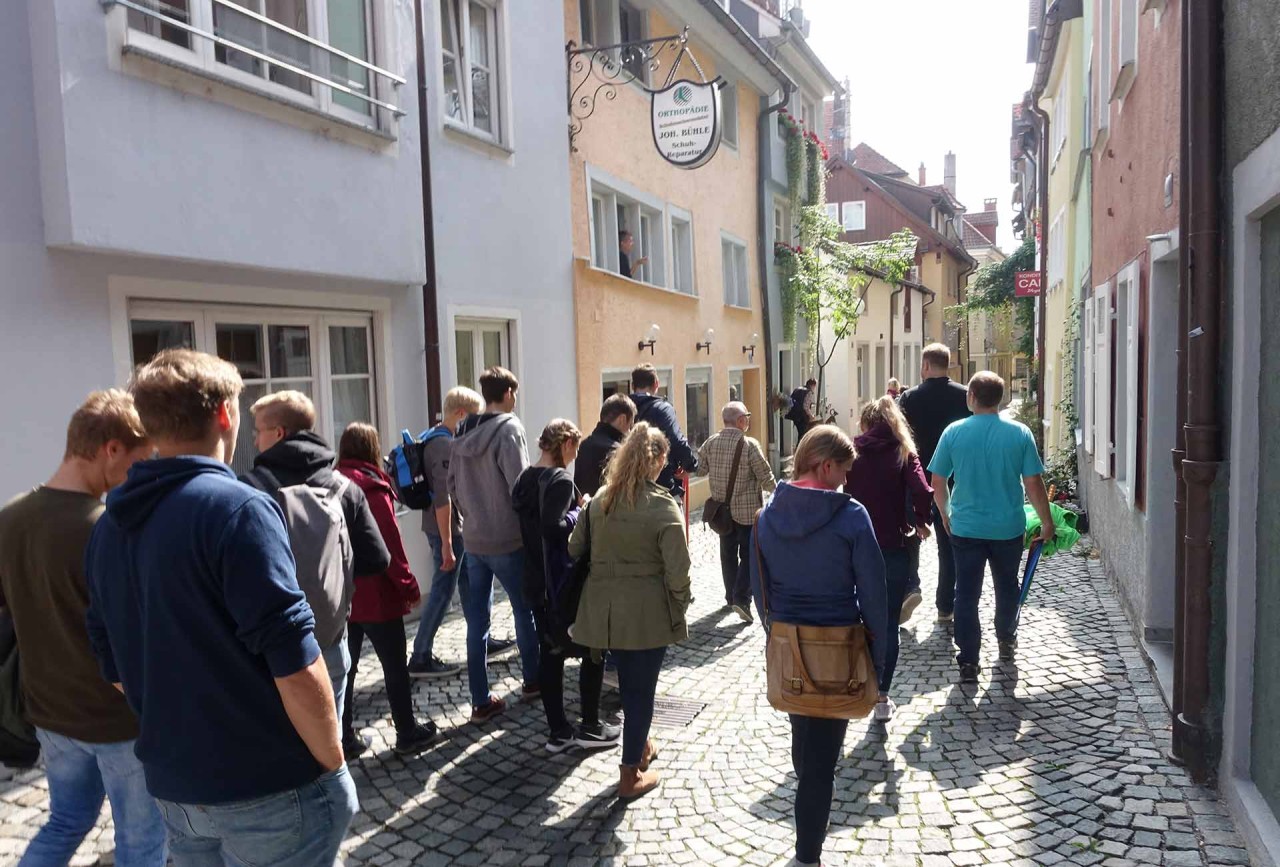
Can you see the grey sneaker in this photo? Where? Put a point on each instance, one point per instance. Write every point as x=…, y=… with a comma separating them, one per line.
x=598, y=737
x=434, y=667
x=909, y=605
x=743, y=612
x=946, y=617
x=500, y=647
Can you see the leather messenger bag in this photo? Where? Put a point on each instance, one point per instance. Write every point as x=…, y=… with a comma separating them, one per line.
x=818, y=671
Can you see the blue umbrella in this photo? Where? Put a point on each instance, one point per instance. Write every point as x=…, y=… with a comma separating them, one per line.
x=1033, y=560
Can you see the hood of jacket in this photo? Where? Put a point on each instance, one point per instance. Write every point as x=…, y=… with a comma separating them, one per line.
x=151, y=481
x=879, y=439
x=477, y=433
x=298, y=458
x=608, y=431
x=796, y=513
x=367, y=476
x=644, y=401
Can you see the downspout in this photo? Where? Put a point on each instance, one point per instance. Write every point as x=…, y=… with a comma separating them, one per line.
x=764, y=172
x=1180, y=439
x=1042, y=195
x=430, y=304
x=962, y=282
x=1204, y=61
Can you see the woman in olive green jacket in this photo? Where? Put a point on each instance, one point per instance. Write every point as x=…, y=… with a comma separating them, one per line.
x=635, y=598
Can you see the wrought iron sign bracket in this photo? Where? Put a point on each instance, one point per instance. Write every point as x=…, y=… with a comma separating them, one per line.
x=594, y=74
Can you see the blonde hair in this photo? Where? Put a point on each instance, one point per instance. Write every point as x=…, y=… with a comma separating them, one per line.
x=178, y=392
x=885, y=409
x=558, y=432
x=104, y=416
x=462, y=398
x=291, y=410
x=894, y=384
x=360, y=442
x=824, y=442
x=632, y=465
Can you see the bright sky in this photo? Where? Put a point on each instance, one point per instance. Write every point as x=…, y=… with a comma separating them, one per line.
x=929, y=76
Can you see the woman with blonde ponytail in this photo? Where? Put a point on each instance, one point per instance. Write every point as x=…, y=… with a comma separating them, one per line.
x=888, y=480
x=635, y=598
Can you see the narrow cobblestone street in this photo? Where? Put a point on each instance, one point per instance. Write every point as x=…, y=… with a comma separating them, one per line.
x=1057, y=759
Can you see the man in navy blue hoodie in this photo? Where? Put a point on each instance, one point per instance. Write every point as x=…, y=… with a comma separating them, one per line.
x=650, y=408
x=196, y=616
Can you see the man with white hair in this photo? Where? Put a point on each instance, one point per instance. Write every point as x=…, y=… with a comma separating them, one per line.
x=739, y=476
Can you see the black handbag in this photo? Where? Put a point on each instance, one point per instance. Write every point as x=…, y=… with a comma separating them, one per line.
x=718, y=514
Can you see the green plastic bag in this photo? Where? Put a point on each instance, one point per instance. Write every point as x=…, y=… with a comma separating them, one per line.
x=1065, y=533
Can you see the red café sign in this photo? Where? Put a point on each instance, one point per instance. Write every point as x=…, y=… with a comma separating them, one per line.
x=1026, y=284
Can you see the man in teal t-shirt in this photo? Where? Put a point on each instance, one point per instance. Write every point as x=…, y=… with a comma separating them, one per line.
x=990, y=459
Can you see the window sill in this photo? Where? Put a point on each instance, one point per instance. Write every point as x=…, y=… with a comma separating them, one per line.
x=738, y=307
x=154, y=66
x=466, y=136
x=638, y=283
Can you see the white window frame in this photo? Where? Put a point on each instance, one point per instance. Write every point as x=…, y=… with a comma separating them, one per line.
x=1059, y=123
x=478, y=326
x=613, y=194
x=1102, y=380
x=833, y=212
x=1103, y=33
x=618, y=374
x=1128, y=293
x=729, y=114
x=1057, y=250
x=499, y=105
x=683, y=277
x=604, y=19
x=854, y=216
x=737, y=285
x=1087, y=410
x=699, y=374
x=201, y=55
x=1127, y=37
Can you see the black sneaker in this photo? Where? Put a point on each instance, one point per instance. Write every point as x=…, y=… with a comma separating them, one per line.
x=424, y=735
x=969, y=672
x=558, y=743
x=601, y=736
x=499, y=647
x=354, y=749
x=1008, y=650
x=434, y=667
x=743, y=612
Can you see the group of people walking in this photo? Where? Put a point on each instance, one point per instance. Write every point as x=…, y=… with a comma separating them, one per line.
x=195, y=606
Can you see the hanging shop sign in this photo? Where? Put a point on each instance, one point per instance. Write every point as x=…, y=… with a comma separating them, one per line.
x=685, y=117
x=1026, y=284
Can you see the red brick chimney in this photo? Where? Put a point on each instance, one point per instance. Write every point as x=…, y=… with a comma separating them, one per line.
x=990, y=204
x=922, y=181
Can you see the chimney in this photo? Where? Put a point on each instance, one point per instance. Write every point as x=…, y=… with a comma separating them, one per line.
x=990, y=204
x=922, y=183
x=949, y=173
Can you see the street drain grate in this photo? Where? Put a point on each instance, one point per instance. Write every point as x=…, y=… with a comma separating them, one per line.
x=675, y=712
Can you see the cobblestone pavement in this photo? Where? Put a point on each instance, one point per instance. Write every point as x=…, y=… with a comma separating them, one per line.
x=1055, y=760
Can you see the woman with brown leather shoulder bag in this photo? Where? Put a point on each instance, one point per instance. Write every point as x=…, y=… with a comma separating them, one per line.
x=819, y=583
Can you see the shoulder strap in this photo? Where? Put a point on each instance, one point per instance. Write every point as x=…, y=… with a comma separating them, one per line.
x=764, y=572
x=733, y=472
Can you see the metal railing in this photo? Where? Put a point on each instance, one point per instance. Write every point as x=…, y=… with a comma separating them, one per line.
x=169, y=21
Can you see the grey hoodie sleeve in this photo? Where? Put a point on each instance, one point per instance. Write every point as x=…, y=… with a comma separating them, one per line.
x=513, y=452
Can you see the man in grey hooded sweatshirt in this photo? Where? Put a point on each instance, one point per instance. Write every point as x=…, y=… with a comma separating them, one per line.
x=486, y=458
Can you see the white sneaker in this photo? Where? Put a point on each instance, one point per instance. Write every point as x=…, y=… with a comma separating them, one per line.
x=884, y=710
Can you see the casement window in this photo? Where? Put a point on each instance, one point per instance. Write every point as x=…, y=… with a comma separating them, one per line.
x=906, y=310
x=737, y=387
x=290, y=49
x=1127, y=47
x=1059, y=124
x=473, y=80
x=1104, y=31
x=697, y=405
x=479, y=344
x=612, y=22
x=833, y=212
x=618, y=381
x=1057, y=249
x=1125, y=359
x=733, y=259
x=614, y=212
x=327, y=356
x=682, y=252
x=864, y=372
x=1087, y=352
x=729, y=114
x=1103, y=384
x=600, y=257
x=781, y=224
x=855, y=216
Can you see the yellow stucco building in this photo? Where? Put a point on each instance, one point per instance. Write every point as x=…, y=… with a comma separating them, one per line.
x=698, y=229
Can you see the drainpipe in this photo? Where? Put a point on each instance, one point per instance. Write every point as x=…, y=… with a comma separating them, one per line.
x=1180, y=439
x=764, y=171
x=430, y=306
x=1203, y=101
x=1042, y=194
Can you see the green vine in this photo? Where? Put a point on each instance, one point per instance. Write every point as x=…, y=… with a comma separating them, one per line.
x=796, y=159
x=785, y=256
x=1067, y=403
x=815, y=172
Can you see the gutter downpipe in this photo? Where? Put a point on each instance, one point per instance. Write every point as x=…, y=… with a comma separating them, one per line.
x=430, y=304
x=1044, y=65
x=1180, y=438
x=764, y=172
x=1204, y=64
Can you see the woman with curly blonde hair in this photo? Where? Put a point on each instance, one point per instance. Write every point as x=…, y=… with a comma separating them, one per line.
x=634, y=601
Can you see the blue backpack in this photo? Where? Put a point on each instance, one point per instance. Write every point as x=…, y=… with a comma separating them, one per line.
x=407, y=467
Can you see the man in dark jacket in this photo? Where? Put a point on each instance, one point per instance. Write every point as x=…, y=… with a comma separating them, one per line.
x=291, y=453
x=803, y=410
x=681, y=459
x=616, y=417
x=930, y=407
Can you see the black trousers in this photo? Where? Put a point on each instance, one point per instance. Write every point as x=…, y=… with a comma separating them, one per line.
x=734, y=565
x=815, y=748
x=551, y=681
x=388, y=641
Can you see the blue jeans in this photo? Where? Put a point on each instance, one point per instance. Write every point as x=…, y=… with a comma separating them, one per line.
x=80, y=774
x=638, y=672
x=477, y=607
x=439, y=597
x=898, y=574
x=946, y=593
x=302, y=827
x=972, y=556
x=338, y=660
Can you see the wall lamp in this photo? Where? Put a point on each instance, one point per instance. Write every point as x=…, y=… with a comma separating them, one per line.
x=750, y=351
x=707, y=337
x=650, y=338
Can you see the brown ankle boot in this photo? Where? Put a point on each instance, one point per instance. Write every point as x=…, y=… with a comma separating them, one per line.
x=633, y=782
x=646, y=758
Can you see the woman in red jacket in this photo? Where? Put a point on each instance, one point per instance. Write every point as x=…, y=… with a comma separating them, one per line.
x=381, y=601
x=887, y=479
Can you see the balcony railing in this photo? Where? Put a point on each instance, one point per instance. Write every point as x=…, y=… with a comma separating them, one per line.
x=330, y=57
